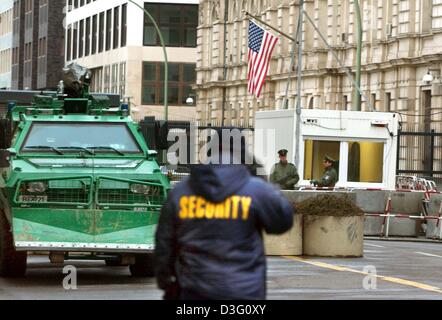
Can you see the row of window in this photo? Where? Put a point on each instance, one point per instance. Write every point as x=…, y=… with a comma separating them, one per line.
x=5, y=22
x=108, y=30
x=5, y=61
x=110, y=79
x=101, y=32
x=74, y=4
x=365, y=160
x=181, y=77
x=177, y=23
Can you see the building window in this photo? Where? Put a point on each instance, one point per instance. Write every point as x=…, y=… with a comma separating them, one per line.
x=315, y=151
x=116, y=27
x=365, y=162
x=437, y=14
x=388, y=102
x=108, y=29
x=88, y=37
x=122, y=90
x=102, y=32
x=81, y=40
x=74, y=46
x=373, y=101
x=181, y=78
x=69, y=44
x=97, y=79
x=178, y=24
x=124, y=25
x=42, y=47
x=106, y=82
x=114, y=88
x=94, y=34
x=404, y=16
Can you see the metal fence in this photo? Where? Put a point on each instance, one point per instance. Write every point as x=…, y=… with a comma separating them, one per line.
x=420, y=152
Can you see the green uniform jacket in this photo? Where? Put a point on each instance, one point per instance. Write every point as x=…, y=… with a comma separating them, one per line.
x=329, y=178
x=285, y=176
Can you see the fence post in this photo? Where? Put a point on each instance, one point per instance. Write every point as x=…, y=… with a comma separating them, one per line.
x=432, y=152
x=398, y=155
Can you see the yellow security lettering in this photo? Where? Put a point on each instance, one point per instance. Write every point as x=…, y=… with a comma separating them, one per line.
x=245, y=204
x=210, y=210
x=219, y=211
x=183, y=207
x=235, y=203
x=227, y=205
x=200, y=202
x=192, y=207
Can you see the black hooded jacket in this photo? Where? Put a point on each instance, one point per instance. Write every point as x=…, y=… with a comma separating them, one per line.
x=210, y=233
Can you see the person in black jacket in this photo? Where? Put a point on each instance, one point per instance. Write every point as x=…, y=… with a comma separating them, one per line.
x=209, y=238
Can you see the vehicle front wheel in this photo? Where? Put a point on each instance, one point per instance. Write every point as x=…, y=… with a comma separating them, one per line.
x=12, y=262
x=144, y=266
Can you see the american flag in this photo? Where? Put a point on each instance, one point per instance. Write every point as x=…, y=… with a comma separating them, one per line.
x=261, y=45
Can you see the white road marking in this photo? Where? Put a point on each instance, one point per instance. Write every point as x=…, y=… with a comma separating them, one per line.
x=373, y=245
x=428, y=254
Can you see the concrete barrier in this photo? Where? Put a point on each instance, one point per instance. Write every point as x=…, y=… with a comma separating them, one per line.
x=404, y=227
x=403, y=203
x=373, y=226
x=434, y=230
x=328, y=236
x=372, y=202
x=433, y=227
x=288, y=244
x=408, y=203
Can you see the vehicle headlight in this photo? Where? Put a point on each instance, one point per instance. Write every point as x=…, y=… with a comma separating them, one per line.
x=140, y=188
x=36, y=187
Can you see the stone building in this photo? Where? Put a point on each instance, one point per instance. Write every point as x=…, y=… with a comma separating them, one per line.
x=402, y=42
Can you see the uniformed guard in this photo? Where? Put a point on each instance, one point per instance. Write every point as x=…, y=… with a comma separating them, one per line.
x=209, y=239
x=284, y=174
x=330, y=176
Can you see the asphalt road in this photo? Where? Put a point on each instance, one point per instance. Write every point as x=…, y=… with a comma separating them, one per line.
x=404, y=270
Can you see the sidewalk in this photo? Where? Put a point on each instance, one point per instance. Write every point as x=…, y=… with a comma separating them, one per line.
x=403, y=239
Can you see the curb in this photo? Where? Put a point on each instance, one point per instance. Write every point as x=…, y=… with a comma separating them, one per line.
x=420, y=240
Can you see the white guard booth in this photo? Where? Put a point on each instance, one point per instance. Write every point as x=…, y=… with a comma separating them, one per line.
x=364, y=144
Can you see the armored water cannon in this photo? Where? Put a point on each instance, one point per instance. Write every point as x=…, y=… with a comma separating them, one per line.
x=76, y=80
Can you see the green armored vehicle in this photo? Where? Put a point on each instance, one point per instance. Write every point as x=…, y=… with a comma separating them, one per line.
x=77, y=180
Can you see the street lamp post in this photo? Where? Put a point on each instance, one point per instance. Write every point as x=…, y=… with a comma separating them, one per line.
x=166, y=62
x=357, y=98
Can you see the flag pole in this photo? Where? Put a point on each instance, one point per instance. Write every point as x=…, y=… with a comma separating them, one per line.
x=285, y=103
x=248, y=14
x=299, y=84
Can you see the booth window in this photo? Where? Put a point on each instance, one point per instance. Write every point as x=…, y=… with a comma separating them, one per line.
x=365, y=162
x=315, y=151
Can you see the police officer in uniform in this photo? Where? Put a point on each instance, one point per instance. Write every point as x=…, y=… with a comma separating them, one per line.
x=330, y=176
x=284, y=174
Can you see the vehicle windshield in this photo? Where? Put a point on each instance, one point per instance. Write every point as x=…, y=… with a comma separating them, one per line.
x=91, y=138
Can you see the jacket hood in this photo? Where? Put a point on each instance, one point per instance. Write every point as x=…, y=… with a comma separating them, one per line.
x=217, y=182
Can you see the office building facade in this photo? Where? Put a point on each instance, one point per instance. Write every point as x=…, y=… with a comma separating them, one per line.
x=116, y=40
x=6, y=12
x=38, y=44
